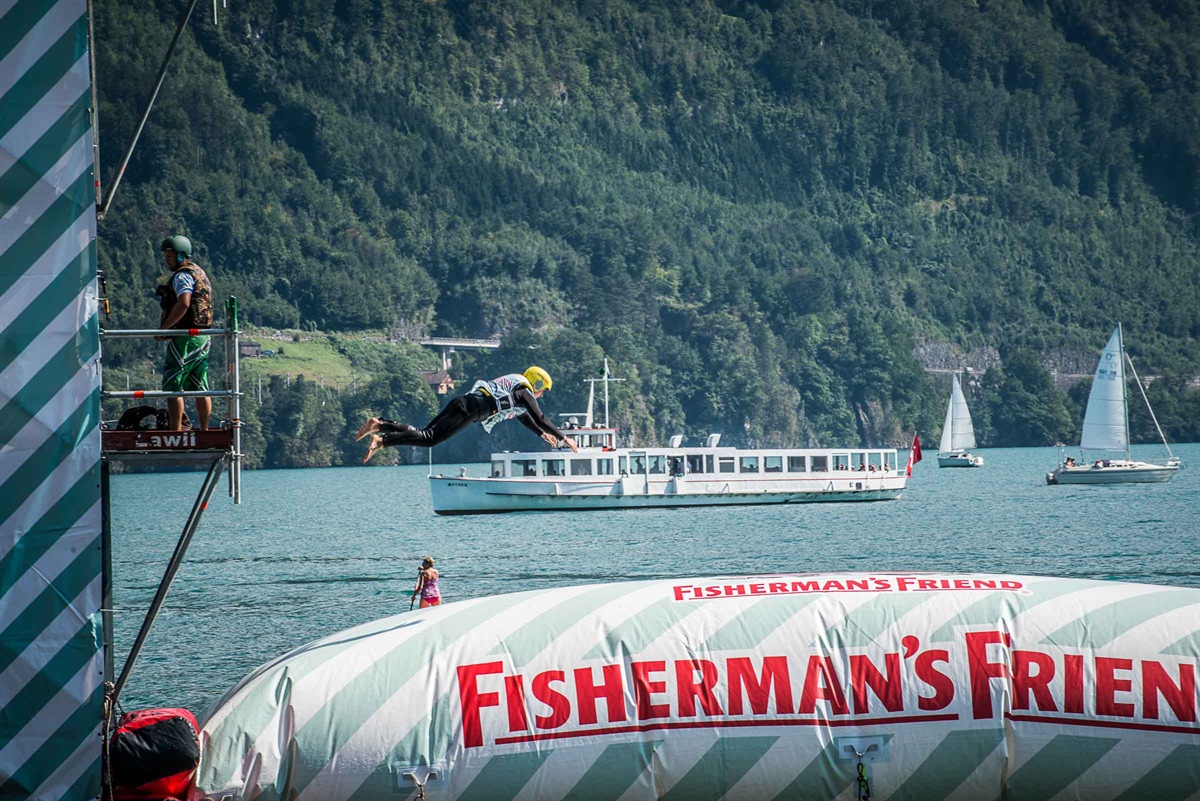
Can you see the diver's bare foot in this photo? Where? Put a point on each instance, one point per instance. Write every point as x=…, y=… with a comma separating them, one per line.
x=376, y=447
x=369, y=427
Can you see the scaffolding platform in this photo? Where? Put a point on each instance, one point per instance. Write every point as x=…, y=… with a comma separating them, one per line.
x=187, y=447
x=217, y=449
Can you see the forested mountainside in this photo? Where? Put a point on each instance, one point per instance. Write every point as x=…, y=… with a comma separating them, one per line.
x=753, y=209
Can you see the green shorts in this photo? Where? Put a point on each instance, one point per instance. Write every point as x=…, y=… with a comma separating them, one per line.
x=186, y=367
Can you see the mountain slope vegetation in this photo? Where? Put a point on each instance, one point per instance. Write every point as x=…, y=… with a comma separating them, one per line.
x=752, y=208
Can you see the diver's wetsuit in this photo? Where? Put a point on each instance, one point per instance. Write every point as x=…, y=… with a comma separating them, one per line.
x=473, y=407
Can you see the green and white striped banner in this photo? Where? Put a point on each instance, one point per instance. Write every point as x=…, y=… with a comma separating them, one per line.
x=51, y=661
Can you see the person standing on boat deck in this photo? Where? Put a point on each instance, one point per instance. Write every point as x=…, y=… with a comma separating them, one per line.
x=186, y=301
x=427, y=584
x=488, y=403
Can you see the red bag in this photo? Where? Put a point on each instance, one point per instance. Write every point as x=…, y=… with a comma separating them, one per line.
x=154, y=754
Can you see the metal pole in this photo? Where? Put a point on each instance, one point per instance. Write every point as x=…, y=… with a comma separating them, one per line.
x=95, y=110
x=158, y=393
x=162, y=74
x=235, y=470
x=106, y=598
x=185, y=539
x=106, y=614
x=127, y=333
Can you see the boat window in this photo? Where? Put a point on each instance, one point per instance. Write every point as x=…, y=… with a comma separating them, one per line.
x=858, y=461
x=708, y=465
x=658, y=463
x=498, y=468
x=623, y=465
x=524, y=467
x=841, y=461
x=772, y=464
x=581, y=467
x=749, y=464
x=875, y=460
x=637, y=465
x=820, y=464
x=604, y=467
x=796, y=464
x=728, y=465
x=695, y=463
x=887, y=461
x=554, y=467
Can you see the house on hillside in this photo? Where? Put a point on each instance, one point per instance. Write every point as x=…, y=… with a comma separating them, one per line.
x=251, y=349
x=439, y=381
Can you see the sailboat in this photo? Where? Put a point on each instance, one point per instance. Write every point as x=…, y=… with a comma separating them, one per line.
x=1106, y=430
x=958, y=435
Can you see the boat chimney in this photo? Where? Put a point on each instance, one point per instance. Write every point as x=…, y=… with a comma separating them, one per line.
x=676, y=440
x=713, y=440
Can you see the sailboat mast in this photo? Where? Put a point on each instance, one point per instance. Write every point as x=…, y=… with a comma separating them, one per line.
x=1125, y=397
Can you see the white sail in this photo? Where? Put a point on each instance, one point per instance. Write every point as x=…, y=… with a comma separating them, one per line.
x=948, y=429
x=964, y=432
x=1104, y=423
x=957, y=433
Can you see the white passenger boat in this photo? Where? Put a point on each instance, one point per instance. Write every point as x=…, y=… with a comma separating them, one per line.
x=958, y=434
x=604, y=476
x=1106, y=430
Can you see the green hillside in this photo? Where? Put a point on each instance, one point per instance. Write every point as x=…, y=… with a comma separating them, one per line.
x=751, y=208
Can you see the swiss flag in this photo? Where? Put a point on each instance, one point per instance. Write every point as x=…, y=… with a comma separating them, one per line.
x=914, y=455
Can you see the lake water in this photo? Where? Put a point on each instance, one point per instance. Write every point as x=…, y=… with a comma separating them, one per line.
x=311, y=552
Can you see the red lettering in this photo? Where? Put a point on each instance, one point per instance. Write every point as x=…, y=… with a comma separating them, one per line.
x=1011, y=585
x=864, y=674
x=982, y=671
x=805, y=586
x=903, y=583
x=1024, y=682
x=690, y=689
x=821, y=684
x=1180, y=697
x=471, y=700
x=644, y=688
x=858, y=584
x=1073, y=683
x=560, y=707
x=962, y=584
x=514, y=697
x=679, y=592
x=985, y=584
x=1108, y=685
x=758, y=589
x=612, y=690
x=833, y=584
x=941, y=684
x=735, y=589
x=774, y=676
x=927, y=584
x=712, y=591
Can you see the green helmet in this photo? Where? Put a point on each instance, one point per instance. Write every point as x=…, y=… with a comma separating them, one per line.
x=180, y=244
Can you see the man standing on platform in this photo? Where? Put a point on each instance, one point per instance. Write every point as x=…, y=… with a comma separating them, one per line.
x=186, y=304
